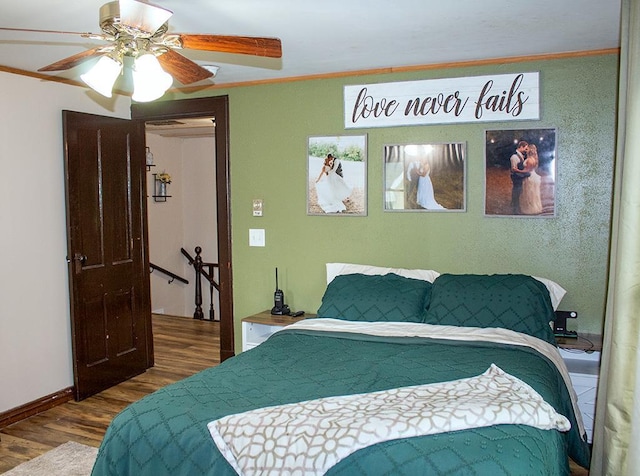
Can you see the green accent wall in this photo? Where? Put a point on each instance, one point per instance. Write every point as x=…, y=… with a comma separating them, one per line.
x=269, y=128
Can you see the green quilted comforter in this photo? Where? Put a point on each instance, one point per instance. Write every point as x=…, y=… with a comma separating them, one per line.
x=166, y=432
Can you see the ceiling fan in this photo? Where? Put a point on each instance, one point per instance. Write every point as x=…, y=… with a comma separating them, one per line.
x=138, y=29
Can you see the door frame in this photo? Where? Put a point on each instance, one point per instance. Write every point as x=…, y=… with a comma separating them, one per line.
x=217, y=107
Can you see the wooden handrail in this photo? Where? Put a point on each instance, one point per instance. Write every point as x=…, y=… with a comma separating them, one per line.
x=173, y=276
x=199, y=266
x=208, y=276
x=186, y=255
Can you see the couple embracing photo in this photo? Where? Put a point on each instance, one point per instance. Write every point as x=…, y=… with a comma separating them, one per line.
x=520, y=169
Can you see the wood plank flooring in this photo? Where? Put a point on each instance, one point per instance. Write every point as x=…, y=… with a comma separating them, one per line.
x=183, y=346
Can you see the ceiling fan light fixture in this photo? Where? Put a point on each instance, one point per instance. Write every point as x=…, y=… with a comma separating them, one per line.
x=150, y=81
x=103, y=75
x=138, y=30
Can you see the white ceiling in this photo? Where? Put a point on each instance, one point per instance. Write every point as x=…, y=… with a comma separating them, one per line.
x=185, y=128
x=332, y=36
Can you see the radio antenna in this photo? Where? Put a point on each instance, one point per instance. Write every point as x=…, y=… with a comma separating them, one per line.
x=276, y=278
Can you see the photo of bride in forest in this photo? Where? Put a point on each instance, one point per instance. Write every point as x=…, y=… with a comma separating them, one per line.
x=425, y=177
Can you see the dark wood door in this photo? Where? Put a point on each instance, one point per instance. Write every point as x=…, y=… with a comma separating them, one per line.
x=107, y=243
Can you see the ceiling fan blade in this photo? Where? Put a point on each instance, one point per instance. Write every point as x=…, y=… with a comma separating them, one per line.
x=143, y=16
x=48, y=31
x=244, y=45
x=182, y=68
x=74, y=60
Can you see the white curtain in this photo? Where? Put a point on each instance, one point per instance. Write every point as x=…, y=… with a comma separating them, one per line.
x=616, y=443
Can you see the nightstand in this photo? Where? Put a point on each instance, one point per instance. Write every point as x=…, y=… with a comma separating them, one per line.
x=258, y=327
x=582, y=357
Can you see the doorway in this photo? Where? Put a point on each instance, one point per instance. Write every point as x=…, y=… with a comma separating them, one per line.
x=217, y=109
x=182, y=217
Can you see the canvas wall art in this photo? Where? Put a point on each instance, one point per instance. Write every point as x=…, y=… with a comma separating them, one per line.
x=520, y=172
x=337, y=175
x=425, y=177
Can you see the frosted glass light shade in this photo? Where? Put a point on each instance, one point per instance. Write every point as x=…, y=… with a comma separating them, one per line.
x=150, y=81
x=103, y=75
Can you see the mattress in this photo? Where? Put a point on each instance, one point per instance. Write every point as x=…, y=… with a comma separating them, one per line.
x=166, y=432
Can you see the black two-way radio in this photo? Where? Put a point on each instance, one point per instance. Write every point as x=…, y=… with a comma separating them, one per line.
x=279, y=307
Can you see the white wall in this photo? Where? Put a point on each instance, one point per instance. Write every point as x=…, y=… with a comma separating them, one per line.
x=166, y=227
x=199, y=212
x=35, y=340
x=186, y=220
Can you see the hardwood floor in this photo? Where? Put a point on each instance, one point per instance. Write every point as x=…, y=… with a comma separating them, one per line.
x=183, y=346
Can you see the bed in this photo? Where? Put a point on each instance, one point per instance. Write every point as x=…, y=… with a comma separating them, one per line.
x=402, y=372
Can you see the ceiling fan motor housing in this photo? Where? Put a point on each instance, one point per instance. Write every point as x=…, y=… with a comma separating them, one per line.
x=110, y=23
x=109, y=16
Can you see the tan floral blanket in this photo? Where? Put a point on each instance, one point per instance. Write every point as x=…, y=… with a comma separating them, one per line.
x=308, y=438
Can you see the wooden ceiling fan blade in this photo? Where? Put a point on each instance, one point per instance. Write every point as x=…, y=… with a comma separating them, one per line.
x=75, y=60
x=143, y=16
x=182, y=68
x=243, y=45
x=28, y=30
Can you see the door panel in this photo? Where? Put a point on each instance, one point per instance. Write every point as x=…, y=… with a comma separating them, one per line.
x=93, y=332
x=109, y=269
x=87, y=192
x=124, y=331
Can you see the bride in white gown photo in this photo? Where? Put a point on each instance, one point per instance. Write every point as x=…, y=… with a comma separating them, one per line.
x=424, y=195
x=331, y=188
x=530, y=200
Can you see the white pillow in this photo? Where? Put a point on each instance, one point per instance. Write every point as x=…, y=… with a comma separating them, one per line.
x=336, y=269
x=556, y=291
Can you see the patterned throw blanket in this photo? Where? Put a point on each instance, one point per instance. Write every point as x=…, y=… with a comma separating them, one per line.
x=310, y=437
x=455, y=333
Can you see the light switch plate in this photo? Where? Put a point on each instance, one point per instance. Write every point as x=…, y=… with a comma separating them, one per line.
x=256, y=237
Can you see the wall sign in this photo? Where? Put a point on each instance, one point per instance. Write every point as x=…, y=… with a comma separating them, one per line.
x=492, y=98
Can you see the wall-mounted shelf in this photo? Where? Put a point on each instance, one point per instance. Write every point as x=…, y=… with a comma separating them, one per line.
x=160, y=198
x=149, y=159
x=159, y=189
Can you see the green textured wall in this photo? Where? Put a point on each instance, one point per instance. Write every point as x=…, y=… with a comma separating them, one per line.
x=270, y=125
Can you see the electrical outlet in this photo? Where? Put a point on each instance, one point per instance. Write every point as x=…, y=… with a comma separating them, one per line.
x=257, y=207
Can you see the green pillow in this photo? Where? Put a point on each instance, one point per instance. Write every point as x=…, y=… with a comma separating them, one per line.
x=511, y=301
x=389, y=297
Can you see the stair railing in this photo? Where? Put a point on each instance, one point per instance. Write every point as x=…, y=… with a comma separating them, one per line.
x=208, y=273
x=173, y=276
